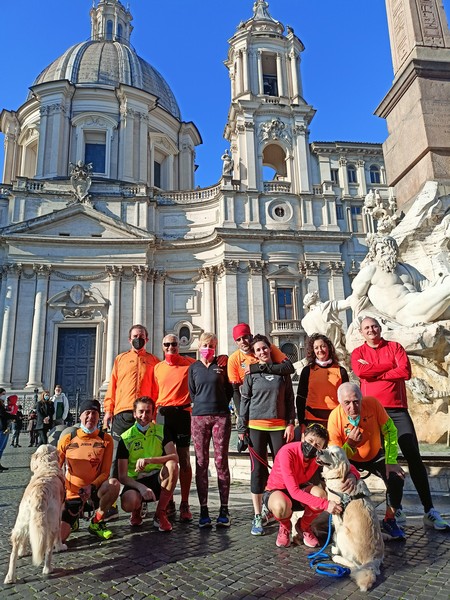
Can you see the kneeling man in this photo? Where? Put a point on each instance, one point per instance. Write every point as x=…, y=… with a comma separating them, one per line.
x=87, y=455
x=148, y=466
x=357, y=425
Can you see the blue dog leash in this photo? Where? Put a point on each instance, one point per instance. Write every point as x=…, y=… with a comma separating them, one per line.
x=329, y=568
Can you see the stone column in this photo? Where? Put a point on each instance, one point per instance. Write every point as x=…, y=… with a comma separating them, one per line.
x=302, y=150
x=10, y=164
x=280, y=75
x=361, y=178
x=38, y=329
x=256, y=297
x=228, y=305
x=158, y=311
x=140, y=273
x=12, y=274
x=260, y=74
x=143, y=159
x=208, y=274
x=42, y=141
x=112, y=332
x=126, y=128
x=294, y=73
x=343, y=178
x=245, y=70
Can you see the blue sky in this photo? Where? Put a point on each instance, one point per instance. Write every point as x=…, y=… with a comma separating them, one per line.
x=346, y=66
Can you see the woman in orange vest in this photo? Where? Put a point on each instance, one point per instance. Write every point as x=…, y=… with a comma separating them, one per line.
x=319, y=382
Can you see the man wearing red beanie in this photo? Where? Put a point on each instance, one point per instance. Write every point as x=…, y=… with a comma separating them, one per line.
x=243, y=361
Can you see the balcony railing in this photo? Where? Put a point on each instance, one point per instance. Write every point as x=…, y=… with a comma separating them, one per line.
x=286, y=326
x=277, y=186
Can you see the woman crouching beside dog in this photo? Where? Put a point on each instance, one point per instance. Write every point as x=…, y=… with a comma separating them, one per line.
x=290, y=488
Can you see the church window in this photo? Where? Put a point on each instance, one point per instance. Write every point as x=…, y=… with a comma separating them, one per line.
x=351, y=174
x=335, y=176
x=119, y=32
x=269, y=69
x=157, y=174
x=375, y=175
x=109, y=30
x=95, y=150
x=339, y=212
x=356, y=213
x=285, y=306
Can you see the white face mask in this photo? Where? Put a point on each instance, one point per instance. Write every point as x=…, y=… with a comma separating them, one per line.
x=86, y=430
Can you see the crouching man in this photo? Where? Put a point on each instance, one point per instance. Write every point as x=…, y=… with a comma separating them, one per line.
x=357, y=425
x=294, y=484
x=87, y=456
x=148, y=466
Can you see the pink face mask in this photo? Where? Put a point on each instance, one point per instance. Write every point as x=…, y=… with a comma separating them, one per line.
x=207, y=353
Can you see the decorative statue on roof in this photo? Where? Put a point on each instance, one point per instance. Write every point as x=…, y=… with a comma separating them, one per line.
x=228, y=164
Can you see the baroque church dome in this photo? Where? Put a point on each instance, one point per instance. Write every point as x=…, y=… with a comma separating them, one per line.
x=109, y=59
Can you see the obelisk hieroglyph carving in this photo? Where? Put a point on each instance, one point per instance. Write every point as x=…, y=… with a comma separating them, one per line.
x=417, y=107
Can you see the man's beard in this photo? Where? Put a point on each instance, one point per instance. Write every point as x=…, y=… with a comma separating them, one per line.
x=387, y=263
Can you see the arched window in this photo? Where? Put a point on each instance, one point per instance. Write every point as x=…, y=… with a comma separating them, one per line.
x=119, y=32
x=109, y=30
x=351, y=174
x=375, y=175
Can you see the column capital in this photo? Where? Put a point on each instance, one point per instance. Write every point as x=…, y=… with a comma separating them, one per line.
x=42, y=271
x=140, y=271
x=115, y=272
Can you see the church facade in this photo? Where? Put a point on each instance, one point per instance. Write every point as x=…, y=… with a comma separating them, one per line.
x=102, y=226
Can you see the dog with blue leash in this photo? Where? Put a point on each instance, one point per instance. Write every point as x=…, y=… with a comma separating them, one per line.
x=357, y=541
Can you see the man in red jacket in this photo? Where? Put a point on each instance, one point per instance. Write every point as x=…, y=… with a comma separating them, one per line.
x=383, y=367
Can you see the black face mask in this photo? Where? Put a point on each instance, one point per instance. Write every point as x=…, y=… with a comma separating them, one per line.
x=138, y=343
x=309, y=451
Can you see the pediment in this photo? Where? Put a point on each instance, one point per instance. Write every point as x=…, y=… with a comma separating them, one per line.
x=79, y=221
x=283, y=273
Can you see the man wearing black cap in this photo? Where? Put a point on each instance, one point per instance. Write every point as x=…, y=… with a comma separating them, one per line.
x=87, y=454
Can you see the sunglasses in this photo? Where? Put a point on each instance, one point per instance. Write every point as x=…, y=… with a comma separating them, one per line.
x=167, y=344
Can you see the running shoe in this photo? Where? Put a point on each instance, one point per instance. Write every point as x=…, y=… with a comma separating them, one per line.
x=161, y=521
x=400, y=517
x=433, y=519
x=185, y=513
x=136, y=517
x=112, y=513
x=309, y=539
x=224, y=519
x=390, y=527
x=257, y=526
x=100, y=530
x=283, y=537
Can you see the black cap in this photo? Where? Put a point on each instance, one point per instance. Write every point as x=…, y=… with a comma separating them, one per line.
x=90, y=405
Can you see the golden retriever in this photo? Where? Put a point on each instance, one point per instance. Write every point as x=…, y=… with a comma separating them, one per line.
x=358, y=541
x=39, y=520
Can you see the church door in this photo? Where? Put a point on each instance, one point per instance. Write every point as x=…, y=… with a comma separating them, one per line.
x=75, y=362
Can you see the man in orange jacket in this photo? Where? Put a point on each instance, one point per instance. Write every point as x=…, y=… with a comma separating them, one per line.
x=131, y=378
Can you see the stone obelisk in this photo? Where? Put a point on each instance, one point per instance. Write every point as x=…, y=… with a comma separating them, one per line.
x=417, y=107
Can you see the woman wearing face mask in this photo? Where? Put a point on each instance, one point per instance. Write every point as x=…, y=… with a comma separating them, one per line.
x=267, y=414
x=210, y=393
x=319, y=382
x=293, y=486
x=44, y=421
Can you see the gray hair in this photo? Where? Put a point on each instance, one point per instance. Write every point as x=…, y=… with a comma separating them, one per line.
x=349, y=387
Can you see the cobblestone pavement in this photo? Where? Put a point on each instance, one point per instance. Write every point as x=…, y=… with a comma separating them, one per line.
x=229, y=564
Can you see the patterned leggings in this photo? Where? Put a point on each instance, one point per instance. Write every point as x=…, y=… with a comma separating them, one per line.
x=203, y=428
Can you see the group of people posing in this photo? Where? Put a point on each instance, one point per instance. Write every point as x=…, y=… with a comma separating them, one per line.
x=155, y=408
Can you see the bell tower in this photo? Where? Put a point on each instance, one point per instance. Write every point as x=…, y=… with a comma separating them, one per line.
x=268, y=117
x=111, y=21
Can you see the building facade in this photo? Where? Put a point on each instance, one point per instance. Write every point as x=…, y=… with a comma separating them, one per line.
x=101, y=224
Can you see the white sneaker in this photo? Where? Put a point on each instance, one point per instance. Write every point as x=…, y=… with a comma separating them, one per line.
x=433, y=519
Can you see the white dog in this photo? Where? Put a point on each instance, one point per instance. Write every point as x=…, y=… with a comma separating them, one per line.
x=358, y=541
x=39, y=518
